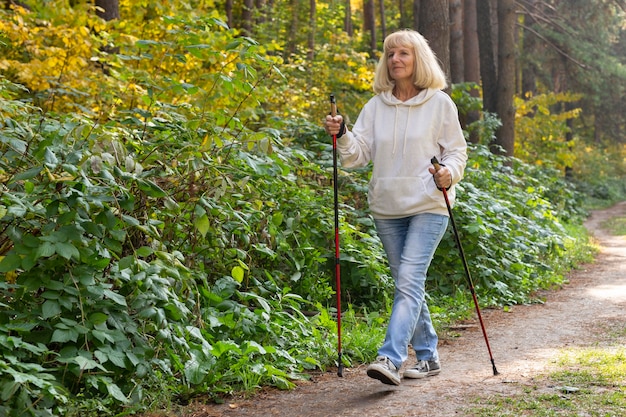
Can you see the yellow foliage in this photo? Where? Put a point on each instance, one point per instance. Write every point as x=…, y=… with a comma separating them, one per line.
x=541, y=129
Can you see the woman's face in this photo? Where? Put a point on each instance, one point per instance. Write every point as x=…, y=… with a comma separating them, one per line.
x=400, y=63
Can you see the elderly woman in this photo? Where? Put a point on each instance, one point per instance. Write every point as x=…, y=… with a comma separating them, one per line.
x=408, y=121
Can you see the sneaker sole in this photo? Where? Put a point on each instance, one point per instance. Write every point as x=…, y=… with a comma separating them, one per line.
x=382, y=377
x=410, y=375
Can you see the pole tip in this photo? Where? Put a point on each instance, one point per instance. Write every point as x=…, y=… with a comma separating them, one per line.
x=340, y=370
x=495, y=371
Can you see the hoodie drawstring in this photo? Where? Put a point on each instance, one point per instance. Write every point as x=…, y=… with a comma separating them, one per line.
x=395, y=127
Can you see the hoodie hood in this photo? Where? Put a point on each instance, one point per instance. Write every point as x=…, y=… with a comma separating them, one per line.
x=422, y=97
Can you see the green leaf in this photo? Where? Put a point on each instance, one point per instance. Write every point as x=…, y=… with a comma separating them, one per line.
x=10, y=387
x=28, y=174
x=116, y=393
x=144, y=251
x=50, y=158
x=11, y=262
x=151, y=189
x=202, y=224
x=115, y=297
x=237, y=273
x=50, y=308
x=97, y=318
x=66, y=250
x=64, y=336
x=103, y=336
x=194, y=372
x=221, y=347
x=87, y=364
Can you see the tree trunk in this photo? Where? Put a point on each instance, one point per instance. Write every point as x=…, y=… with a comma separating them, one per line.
x=404, y=20
x=347, y=23
x=246, y=17
x=457, y=73
x=416, y=14
x=290, y=48
x=471, y=56
x=471, y=61
x=505, y=135
x=486, y=55
x=229, y=13
x=383, y=25
x=528, y=82
x=312, y=26
x=435, y=26
x=108, y=9
x=369, y=23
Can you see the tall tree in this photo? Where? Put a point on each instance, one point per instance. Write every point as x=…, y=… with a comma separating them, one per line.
x=404, y=19
x=471, y=60
x=383, y=20
x=434, y=24
x=471, y=57
x=487, y=59
x=290, y=48
x=457, y=73
x=416, y=13
x=312, y=26
x=246, y=17
x=347, y=23
x=369, y=23
x=505, y=87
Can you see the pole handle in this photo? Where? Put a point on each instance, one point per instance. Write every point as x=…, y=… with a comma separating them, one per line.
x=333, y=105
x=435, y=163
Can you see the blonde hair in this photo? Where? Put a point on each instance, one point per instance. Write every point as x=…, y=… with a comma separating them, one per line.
x=427, y=72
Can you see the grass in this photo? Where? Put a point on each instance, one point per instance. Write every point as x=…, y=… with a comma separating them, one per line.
x=587, y=381
x=616, y=225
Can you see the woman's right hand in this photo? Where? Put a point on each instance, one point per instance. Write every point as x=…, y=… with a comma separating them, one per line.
x=332, y=125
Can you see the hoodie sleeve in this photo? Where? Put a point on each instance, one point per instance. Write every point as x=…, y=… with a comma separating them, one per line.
x=355, y=147
x=452, y=141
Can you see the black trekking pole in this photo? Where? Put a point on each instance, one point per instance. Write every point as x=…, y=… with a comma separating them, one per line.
x=437, y=166
x=333, y=112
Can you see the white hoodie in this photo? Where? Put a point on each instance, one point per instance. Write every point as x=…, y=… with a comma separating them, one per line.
x=400, y=138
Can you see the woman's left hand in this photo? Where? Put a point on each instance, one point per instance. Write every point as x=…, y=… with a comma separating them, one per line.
x=443, y=178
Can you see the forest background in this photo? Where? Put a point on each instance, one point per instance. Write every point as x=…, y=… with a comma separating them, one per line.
x=166, y=209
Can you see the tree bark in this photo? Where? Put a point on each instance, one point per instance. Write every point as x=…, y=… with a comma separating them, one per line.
x=471, y=56
x=404, y=20
x=486, y=55
x=416, y=14
x=369, y=23
x=312, y=26
x=435, y=26
x=471, y=61
x=383, y=24
x=457, y=73
x=505, y=135
x=290, y=48
x=246, y=17
x=229, y=13
x=347, y=23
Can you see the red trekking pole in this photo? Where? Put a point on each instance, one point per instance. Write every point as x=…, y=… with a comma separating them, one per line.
x=437, y=166
x=333, y=112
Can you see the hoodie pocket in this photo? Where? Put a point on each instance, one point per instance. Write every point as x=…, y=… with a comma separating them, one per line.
x=399, y=196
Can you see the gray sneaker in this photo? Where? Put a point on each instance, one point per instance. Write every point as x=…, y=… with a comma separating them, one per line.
x=384, y=370
x=423, y=369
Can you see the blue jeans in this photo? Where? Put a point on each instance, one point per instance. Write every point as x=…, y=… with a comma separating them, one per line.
x=410, y=244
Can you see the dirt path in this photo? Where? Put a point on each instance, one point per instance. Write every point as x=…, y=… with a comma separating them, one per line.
x=524, y=342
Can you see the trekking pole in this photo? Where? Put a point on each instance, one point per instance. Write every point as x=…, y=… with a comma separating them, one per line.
x=333, y=112
x=437, y=166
